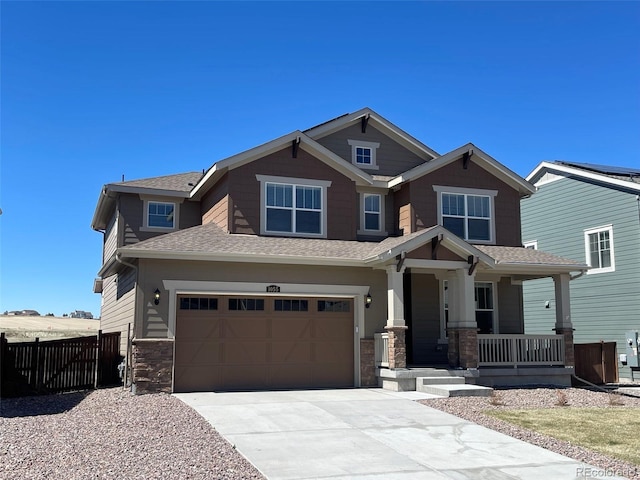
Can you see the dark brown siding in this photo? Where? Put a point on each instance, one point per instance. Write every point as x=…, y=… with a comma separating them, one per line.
x=215, y=204
x=244, y=192
x=132, y=217
x=507, y=202
x=391, y=157
x=404, y=221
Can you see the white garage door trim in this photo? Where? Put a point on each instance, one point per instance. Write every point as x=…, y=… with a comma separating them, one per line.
x=357, y=292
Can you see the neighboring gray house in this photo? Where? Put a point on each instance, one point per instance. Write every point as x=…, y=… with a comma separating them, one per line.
x=587, y=213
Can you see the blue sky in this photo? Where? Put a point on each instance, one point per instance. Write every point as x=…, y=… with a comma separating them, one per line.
x=91, y=91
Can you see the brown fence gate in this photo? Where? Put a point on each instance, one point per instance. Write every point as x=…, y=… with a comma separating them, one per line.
x=597, y=362
x=32, y=368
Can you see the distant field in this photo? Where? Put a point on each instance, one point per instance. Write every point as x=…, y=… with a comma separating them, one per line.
x=27, y=328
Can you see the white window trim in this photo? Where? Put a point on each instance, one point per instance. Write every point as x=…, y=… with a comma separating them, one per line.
x=371, y=145
x=587, y=232
x=531, y=244
x=145, y=215
x=443, y=318
x=439, y=189
x=362, y=230
x=297, y=182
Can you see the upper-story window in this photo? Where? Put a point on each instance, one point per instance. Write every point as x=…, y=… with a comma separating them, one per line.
x=467, y=213
x=159, y=215
x=532, y=245
x=598, y=243
x=372, y=209
x=363, y=154
x=293, y=207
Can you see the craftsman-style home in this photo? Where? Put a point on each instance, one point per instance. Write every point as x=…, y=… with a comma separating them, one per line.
x=348, y=254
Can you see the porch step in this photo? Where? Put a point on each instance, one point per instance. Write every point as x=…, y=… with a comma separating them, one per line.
x=454, y=390
x=439, y=380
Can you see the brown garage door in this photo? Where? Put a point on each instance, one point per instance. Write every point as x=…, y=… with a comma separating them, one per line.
x=262, y=343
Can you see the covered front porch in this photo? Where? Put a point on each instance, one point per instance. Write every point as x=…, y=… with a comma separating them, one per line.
x=460, y=310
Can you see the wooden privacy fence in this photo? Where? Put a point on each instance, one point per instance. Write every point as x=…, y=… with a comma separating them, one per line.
x=31, y=368
x=596, y=362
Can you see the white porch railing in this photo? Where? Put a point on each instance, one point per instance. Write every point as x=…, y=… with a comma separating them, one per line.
x=381, y=349
x=515, y=350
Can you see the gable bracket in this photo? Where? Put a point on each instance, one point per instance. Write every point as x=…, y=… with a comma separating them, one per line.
x=435, y=244
x=465, y=159
x=294, y=147
x=364, y=122
x=400, y=259
x=473, y=263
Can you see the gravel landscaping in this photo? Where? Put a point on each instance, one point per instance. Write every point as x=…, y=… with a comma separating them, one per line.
x=111, y=434
x=472, y=408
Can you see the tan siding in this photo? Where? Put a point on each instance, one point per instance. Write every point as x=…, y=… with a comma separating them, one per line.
x=215, y=205
x=110, y=239
x=510, y=309
x=406, y=219
x=118, y=306
x=403, y=215
x=507, y=202
x=391, y=157
x=153, y=272
x=244, y=192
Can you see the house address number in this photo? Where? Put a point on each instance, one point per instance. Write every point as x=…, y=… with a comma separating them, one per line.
x=273, y=289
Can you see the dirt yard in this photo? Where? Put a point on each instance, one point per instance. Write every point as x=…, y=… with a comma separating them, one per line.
x=26, y=328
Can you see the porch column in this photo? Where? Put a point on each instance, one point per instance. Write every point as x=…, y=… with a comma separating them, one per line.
x=564, y=325
x=462, y=328
x=396, y=326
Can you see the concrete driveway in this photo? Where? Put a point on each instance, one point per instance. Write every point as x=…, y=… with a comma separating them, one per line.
x=370, y=434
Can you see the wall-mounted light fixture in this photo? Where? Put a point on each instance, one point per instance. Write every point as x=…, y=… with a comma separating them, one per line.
x=156, y=297
x=547, y=304
x=367, y=300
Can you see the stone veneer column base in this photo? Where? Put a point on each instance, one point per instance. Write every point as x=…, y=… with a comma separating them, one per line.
x=569, y=354
x=367, y=363
x=397, y=347
x=463, y=347
x=152, y=365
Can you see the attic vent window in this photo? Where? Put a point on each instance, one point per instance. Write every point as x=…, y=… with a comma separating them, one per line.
x=363, y=154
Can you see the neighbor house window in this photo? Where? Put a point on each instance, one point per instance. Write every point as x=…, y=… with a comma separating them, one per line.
x=297, y=209
x=599, y=249
x=532, y=245
x=363, y=154
x=467, y=213
x=161, y=214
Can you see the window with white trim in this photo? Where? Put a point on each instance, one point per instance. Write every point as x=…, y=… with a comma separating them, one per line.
x=372, y=203
x=292, y=208
x=161, y=215
x=468, y=213
x=363, y=154
x=533, y=244
x=598, y=244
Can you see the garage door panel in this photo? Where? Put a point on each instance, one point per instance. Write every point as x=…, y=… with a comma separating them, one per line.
x=243, y=377
x=246, y=327
x=197, y=352
x=293, y=352
x=285, y=326
x=240, y=352
x=264, y=349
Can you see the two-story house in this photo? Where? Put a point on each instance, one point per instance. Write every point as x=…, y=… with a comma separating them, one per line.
x=589, y=212
x=326, y=258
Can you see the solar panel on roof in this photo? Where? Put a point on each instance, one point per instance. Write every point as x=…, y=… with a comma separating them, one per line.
x=606, y=169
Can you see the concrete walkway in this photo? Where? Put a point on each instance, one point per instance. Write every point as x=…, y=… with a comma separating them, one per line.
x=370, y=434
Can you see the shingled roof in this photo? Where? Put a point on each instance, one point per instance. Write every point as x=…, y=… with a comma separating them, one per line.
x=181, y=182
x=210, y=242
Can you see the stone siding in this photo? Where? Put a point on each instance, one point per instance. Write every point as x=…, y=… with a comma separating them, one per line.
x=367, y=363
x=152, y=366
x=397, y=347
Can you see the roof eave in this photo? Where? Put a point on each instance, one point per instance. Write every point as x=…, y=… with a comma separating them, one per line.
x=544, y=167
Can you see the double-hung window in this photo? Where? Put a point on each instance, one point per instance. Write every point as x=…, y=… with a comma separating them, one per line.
x=292, y=208
x=160, y=215
x=599, y=249
x=372, y=213
x=467, y=214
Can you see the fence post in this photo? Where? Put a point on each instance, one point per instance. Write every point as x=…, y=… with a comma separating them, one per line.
x=98, y=360
x=35, y=362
